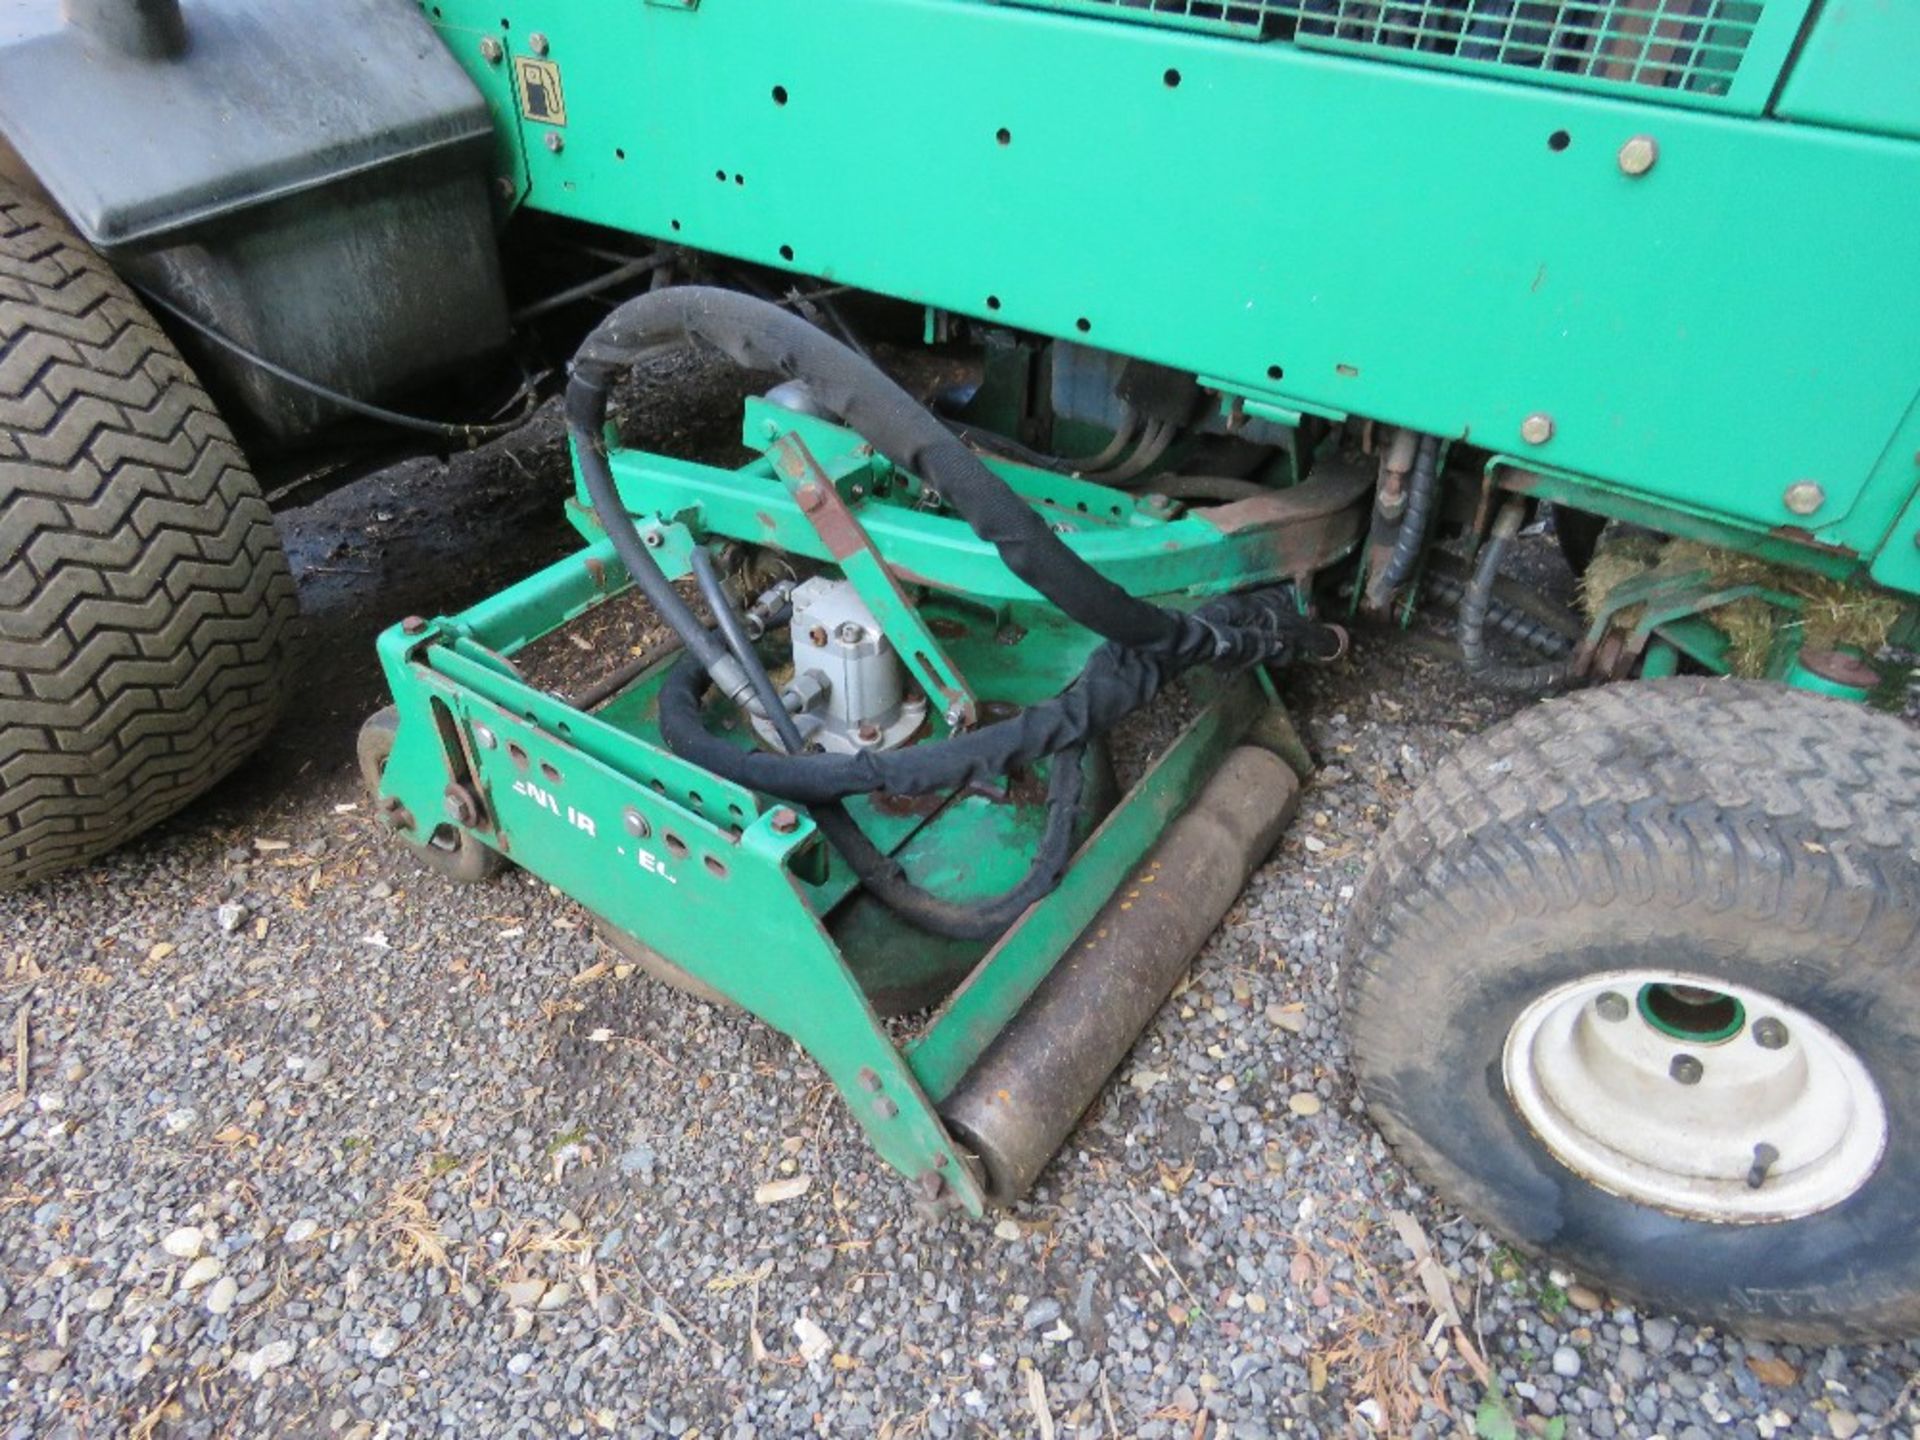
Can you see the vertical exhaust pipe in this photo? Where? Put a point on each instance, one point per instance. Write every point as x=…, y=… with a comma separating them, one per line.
x=145, y=29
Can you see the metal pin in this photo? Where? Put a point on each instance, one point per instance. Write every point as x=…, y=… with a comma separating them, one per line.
x=1612, y=1005
x=1686, y=1069
x=1765, y=1157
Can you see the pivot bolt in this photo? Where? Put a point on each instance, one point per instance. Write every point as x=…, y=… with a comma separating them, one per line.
x=1686, y=1069
x=850, y=633
x=784, y=821
x=490, y=50
x=812, y=497
x=412, y=625
x=484, y=738
x=1537, y=428
x=463, y=805
x=1769, y=1034
x=556, y=142
x=537, y=43
x=1638, y=154
x=1803, y=497
x=1612, y=1005
x=636, y=824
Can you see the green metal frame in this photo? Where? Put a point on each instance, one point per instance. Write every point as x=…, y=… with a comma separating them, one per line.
x=742, y=893
x=1312, y=233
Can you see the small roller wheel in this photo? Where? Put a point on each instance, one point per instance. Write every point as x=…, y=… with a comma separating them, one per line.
x=1635, y=981
x=448, y=850
x=657, y=966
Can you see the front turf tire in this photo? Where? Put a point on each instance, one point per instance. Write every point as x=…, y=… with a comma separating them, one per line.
x=1736, y=832
x=146, y=609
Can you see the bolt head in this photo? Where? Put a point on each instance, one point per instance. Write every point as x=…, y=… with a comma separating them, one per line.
x=461, y=805
x=956, y=717
x=885, y=1108
x=484, y=738
x=932, y=1184
x=812, y=497
x=850, y=632
x=784, y=821
x=1804, y=497
x=504, y=187
x=412, y=625
x=1686, y=1069
x=867, y=734
x=1769, y=1033
x=490, y=50
x=869, y=1080
x=1612, y=1005
x=1537, y=428
x=556, y=142
x=652, y=539
x=636, y=824
x=1638, y=155
x=537, y=43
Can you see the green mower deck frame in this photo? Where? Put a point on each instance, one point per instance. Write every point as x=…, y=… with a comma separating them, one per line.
x=740, y=892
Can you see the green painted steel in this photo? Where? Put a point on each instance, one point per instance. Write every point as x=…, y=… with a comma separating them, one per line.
x=1131, y=539
x=1729, y=55
x=1741, y=317
x=1859, y=68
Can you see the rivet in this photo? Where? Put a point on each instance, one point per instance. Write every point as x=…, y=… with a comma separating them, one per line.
x=1769, y=1034
x=1537, y=428
x=1638, y=154
x=556, y=142
x=1612, y=1005
x=484, y=738
x=1803, y=497
x=1686, y=1069
x=537, y=43
x=490, y=50
x=636, y=824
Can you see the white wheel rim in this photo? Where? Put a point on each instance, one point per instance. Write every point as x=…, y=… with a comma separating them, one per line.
x=1745, y=1111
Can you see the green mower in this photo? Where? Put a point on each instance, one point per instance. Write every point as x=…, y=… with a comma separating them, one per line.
x=1278, y=318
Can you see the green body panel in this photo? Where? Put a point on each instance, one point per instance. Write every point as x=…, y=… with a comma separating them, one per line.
x=1744, y=316
x=1859, y=68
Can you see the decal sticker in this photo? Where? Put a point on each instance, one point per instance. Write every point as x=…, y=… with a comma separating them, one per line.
x=539, y=84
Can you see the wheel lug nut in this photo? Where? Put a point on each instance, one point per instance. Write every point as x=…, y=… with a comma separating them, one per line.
x=1686, y=1069
x=1769, y=1034
x=1612, y=1005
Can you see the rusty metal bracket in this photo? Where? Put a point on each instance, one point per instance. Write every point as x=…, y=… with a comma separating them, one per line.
x=866, y=569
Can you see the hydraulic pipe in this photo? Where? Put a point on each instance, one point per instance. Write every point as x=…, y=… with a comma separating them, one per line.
x=1024, y=1095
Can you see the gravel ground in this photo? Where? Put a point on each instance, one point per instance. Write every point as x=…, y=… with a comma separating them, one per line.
x=312, y=1142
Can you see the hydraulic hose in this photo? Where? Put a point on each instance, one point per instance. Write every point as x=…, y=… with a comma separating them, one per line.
x=1478, y=600
x=1414, y=523
x=975, y=920
x=759, y=335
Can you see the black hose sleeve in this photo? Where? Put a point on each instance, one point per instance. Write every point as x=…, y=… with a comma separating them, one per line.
x=1415, y=522
x=1478, y=600
x=976, y=919
x=762, y=336
x=1259, y=625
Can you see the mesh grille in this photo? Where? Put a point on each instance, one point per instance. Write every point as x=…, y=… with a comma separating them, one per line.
x=1688, y=45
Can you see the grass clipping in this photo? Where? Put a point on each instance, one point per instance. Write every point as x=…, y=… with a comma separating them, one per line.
x=1832, y=614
